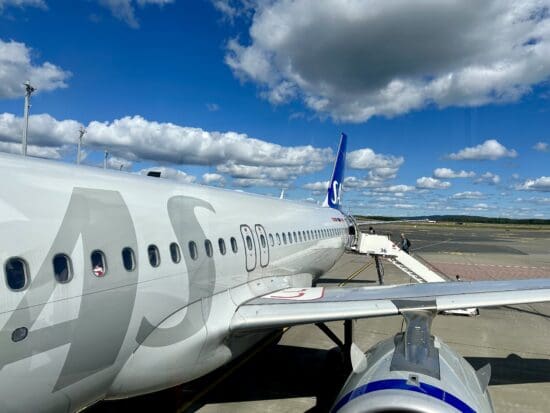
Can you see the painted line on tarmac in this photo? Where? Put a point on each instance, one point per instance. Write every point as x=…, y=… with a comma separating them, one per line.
x=495, y=265
x=430, y=245
x=356, y=273
x=183, y=408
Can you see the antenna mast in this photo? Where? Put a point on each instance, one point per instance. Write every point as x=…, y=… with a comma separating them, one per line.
x=28, y=92
x=105, y=159
x=82, y=132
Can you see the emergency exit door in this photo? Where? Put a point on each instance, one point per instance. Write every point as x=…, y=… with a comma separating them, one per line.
x=249, y=247
x=263, y=246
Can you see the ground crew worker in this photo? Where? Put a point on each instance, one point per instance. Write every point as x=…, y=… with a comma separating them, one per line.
x=405, y=244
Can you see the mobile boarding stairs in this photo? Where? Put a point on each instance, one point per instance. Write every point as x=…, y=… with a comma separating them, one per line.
x=381, y=247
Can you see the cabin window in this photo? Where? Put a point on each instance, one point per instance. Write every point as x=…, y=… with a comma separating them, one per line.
x=295, y=237
x=221, y=245
x=62, y=268
x=300, y=236
x=208, y=248
x=128, y=259
x=284, y=238
x=278, y=238
x=262, y=240
x=289, y=238
x=193, y=252
x=234, y=246
x=175, y=253
x=271, y=240
x=17, y=274
x=99, y=263
x=154, y=255
x=249, y=242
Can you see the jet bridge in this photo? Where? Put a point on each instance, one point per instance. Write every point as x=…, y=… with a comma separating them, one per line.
x=381, y=247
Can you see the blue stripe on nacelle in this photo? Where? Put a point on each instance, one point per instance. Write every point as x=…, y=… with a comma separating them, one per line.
x=337, y=180
x=399, y=384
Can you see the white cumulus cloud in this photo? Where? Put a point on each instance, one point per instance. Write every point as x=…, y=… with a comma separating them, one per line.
x=541, y=147
x=125, y=9
x=468, y=195
x=316, y=186
x=394, y=189
x=488, y=178
x=250, y=161
x=213, y=179
x=446, y=173
x=380, y=166
x=150, y=140
x=32, y=150
x=114, y=162
x=491, y=149
x=426, y=182
x=16, y=68
x=47, y=137
x=541, y=184
x=22, y=3
x=233, y=8
x=356, y=59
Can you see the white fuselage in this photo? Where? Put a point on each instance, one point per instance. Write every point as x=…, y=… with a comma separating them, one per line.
x=130, y=332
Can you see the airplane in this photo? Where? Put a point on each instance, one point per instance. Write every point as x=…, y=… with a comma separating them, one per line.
x=117, y=285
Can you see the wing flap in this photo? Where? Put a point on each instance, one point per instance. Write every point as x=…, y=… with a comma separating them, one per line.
x=313, y=305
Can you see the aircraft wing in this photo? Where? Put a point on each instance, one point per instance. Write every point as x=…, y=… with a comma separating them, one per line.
x=295, y=306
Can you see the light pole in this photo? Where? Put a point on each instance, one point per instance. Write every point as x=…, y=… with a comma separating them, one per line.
x=105, y=159
x=81, y=132
x=28, y=92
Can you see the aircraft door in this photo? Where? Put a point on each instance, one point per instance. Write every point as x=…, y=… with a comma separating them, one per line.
x=263, y=245
x=249, y=247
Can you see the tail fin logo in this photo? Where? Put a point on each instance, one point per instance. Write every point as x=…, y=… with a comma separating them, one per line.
x=334, y=193
x=336, y=188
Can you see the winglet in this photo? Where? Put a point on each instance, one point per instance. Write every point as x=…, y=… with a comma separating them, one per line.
x=334, y=191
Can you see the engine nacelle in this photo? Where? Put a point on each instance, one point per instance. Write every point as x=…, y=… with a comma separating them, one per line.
x=414, y=372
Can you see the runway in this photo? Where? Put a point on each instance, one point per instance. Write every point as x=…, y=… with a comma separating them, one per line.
x=301, y=372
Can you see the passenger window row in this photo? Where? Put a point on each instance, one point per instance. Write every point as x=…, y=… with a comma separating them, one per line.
x=17, y=272
x=285, y=238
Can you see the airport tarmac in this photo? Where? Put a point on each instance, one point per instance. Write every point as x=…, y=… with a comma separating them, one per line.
x=301, y=372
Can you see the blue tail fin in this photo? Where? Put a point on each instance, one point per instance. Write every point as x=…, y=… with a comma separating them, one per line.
x=335, y=186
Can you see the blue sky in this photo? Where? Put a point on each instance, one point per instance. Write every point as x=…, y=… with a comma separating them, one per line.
x=445, y=105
